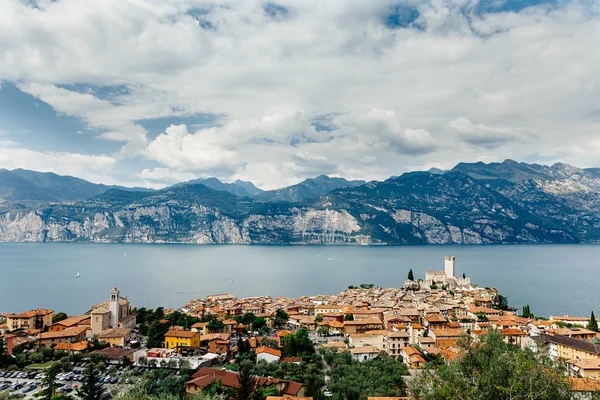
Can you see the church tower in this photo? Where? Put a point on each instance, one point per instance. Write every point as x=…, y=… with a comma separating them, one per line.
x=114, y=307
x=450, y=265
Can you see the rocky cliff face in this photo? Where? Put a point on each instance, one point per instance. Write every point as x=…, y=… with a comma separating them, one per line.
x=168, y=224
x=416, y=208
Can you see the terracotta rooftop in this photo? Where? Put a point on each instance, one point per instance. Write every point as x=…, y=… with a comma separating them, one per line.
x=268, y=350
x=31, y=313
x=67, y=333
x=180, y=333
x=72, y=321
x=364, y=350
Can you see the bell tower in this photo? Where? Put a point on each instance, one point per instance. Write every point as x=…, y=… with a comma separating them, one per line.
x=450, y=264
x=114, y=307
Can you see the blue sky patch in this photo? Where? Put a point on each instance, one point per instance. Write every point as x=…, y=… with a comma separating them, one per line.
x=35, y=125
x=401, y=16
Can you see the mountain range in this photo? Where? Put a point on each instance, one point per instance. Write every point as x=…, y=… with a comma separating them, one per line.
x=473, y=203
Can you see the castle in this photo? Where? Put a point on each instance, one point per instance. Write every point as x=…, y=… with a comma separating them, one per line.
x=446, y=278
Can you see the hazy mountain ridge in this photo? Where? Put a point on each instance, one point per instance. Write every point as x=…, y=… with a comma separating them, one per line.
x=471, y=204
x=26, y=185
x=308, y=189
x=239, y=188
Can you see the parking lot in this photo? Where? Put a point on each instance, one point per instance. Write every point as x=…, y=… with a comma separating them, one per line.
x=24, y=384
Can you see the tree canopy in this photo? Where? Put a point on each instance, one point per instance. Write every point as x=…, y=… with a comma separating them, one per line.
x=593, y=324
x=379, y=377
x=493, y=370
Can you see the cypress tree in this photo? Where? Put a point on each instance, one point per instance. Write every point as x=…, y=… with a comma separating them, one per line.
x=49, y=384
x=248, y=389
x=411, y=277
x=593, y=324
x=90, y=388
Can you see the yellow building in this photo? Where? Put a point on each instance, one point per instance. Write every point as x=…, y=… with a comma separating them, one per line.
x=32, y=319
x=566, y=348
x=175, y=338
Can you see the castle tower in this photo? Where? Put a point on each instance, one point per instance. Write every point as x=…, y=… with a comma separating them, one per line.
x=450, y=265
x=114, y=307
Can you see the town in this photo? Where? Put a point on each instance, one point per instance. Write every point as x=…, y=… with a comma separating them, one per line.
x=366, y=342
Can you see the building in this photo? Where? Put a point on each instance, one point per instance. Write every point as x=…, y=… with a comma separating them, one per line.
x=446, y=337
x=175, y=338
x=69, y=335
x=117, y=337
x=566, y=348
x=115, y=313
x=327, y=309
x=267, y=354
x=412, y=357
x=200, y=327
x=363, y=325
x=567, y=319
x=585, y=368
x=584, y=388
x=394, y=342
x=32, y=319
x=76, y=320
x=204, y=377
x=288, y=398
x=369, y=338
x=450, y=266
x=577, y=333
x=364, y=353
x=512, y=336
x=74, y=348
x=447, y=277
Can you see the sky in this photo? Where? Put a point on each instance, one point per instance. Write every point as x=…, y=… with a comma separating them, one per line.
x=153, y=92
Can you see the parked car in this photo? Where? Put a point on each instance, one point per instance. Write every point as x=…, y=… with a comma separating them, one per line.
x=29, y=388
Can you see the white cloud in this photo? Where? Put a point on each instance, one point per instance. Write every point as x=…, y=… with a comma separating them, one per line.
x=165, y=175
x=95, y=168
x=201, y=151
x=388, y=94
x=489, y=137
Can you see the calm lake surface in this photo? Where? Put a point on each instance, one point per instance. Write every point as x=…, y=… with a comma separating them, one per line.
x=559, y=279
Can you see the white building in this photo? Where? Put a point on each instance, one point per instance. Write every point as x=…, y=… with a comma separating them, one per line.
x=364, y=353
x=268, y=354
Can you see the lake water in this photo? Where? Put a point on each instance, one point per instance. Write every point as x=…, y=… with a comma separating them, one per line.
x=551, y=279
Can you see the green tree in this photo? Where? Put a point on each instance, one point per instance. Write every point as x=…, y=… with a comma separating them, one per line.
x=49, y=383
x=90, y=388
x=501, y=303
x=593, y=324
x=379, y=377
x=214, y=325
x=527, y=312
x=248, y=389
x=259, y=323
x=297, y=344
x=349, y=317
x=61, y=316
x=411, y=277
x=281, y=318
x=319, y=318
x=493, y=370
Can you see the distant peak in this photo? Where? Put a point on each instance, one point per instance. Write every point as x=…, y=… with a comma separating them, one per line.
x=509, y=161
